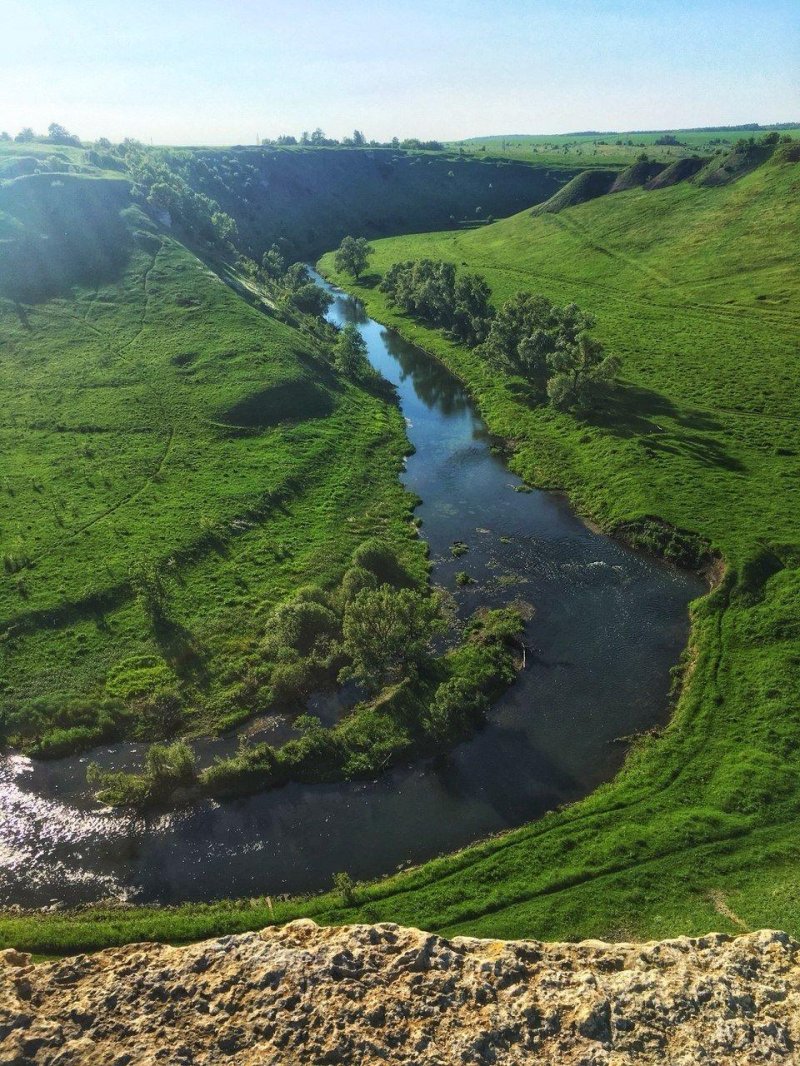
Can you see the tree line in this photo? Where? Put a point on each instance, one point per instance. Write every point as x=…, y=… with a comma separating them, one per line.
x=318, y=138
x=550, y=347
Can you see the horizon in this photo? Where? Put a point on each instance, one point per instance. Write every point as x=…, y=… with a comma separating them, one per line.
x=213, y=75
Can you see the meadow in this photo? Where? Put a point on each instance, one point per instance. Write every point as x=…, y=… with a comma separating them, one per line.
x=696, y=289
x=154, y=423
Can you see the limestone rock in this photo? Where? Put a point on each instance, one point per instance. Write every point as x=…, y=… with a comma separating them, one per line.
x=384, y=994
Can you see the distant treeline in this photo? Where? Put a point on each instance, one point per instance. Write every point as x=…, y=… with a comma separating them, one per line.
x=357, y=140
x=58, y=134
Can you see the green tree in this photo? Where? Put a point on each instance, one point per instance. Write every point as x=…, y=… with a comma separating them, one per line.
x=352, y=256
x=387, y=633
x=25, y=135
x=310, y=299
x=272, y=262
x=59, y=134
x=225, y=228
x=580, y=369
x=350, y=352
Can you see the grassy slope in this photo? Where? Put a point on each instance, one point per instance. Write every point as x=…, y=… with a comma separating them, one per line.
x=701, y=829
x=697, y=290
x=151, y=414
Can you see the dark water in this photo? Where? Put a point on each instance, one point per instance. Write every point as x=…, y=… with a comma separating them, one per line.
x=608, y=626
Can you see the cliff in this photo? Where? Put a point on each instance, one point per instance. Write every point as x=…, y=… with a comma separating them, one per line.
x=362, y=994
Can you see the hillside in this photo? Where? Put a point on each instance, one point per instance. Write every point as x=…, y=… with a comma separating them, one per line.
x=306, y=200
x=696, y=288
x=302, y=994
x=163, y=438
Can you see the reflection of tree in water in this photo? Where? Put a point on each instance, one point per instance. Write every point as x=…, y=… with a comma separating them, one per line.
x=434, y=385
x=351, y=310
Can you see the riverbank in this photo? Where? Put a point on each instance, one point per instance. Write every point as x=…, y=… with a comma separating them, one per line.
x=704, y=442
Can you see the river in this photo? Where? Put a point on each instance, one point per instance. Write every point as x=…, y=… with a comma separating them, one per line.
x=608, y=625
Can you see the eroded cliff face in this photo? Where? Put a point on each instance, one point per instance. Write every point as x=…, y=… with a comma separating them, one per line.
x=385, y=994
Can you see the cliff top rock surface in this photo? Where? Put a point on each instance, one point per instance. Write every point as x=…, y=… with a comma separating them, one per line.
x=385, y=994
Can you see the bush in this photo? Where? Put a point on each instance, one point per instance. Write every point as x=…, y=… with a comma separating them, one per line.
x=167, y=767
x=300, y=624
x=377, y=557
x=289, y=683
x=355, y=579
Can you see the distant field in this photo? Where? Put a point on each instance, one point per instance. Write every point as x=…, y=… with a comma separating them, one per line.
x=608, y=149
x=150, y=418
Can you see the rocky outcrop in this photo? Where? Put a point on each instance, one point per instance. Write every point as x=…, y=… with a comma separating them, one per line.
x=384, y=994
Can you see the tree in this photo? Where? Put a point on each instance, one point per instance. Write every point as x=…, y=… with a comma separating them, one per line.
x=25, y=135
x=5, y=136
x=523, y=336
x=310, y=299
x=225, y=228
x=352, y=256
x=472, y=311
x=286, y=138
x=272, y=262
x=350, y=352
x=59, y=134
x=580, y=368
x=387, y=633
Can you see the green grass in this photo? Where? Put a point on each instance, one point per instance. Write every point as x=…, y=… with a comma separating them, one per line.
x=606, y=149
x=697, y=289
x=149, y=416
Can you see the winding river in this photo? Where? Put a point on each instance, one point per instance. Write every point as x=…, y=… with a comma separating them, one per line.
x=608, y=626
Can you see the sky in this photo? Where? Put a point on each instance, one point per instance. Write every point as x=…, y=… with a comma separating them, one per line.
x=227, y=71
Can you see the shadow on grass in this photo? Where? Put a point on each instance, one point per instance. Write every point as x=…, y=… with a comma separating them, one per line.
x=290, y=401
x=631, y=411
x=181, y=650
x=368, y=281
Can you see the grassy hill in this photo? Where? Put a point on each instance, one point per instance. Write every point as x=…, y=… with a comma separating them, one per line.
x=152, y=421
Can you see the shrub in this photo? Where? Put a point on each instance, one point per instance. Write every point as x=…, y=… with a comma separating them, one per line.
x=300, y=624
x=343, y=883
x=355, y=579
x=377, y=557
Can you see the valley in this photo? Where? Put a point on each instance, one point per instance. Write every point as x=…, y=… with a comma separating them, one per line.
x=167, y=406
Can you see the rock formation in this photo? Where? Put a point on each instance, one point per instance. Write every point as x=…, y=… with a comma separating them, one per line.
x=385, y=994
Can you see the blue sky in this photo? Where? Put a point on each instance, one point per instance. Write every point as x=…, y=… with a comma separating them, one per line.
x=222, y=71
